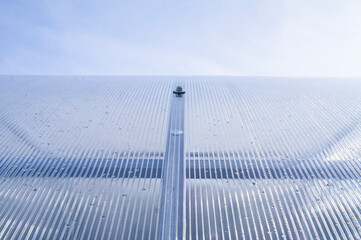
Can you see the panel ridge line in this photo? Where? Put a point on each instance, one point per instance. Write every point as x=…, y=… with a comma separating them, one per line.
x=171, y=208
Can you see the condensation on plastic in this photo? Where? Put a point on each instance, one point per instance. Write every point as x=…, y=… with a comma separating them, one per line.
x=264, y=158
x=81, y=158
x=273, y=158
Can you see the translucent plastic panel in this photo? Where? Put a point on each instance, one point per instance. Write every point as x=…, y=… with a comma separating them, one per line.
x=126, y=158
x=264, y=117
x=272, y=209
x=80, y=208
x=273, y=158
x=82, y=157
x=110, y=114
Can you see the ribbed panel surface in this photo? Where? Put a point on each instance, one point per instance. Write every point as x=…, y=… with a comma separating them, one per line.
x=241, y=158
x=82, y=158
x=273, y=159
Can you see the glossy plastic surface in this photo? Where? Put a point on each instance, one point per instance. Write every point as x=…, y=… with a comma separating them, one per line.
x=233, y=157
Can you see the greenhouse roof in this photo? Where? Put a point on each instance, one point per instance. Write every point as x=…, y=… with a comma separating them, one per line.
x=131, y=158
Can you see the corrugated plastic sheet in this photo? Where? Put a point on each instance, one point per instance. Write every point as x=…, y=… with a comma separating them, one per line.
x=233, y=158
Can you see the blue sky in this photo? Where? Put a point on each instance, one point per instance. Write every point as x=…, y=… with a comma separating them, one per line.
x=199, y=37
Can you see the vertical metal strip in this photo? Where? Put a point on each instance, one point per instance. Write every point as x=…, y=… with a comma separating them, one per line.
x=171, y=215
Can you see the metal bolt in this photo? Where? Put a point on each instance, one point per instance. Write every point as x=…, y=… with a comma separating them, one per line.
x=179, y=90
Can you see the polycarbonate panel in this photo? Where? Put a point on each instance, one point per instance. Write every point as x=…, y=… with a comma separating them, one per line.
x=273, y=158
x=232, y=158
x=81, y=157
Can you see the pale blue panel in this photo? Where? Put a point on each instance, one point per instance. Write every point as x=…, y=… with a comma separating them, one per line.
x=125, y=158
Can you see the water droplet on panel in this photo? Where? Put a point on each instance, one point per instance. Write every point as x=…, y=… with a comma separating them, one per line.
x=176, y=132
